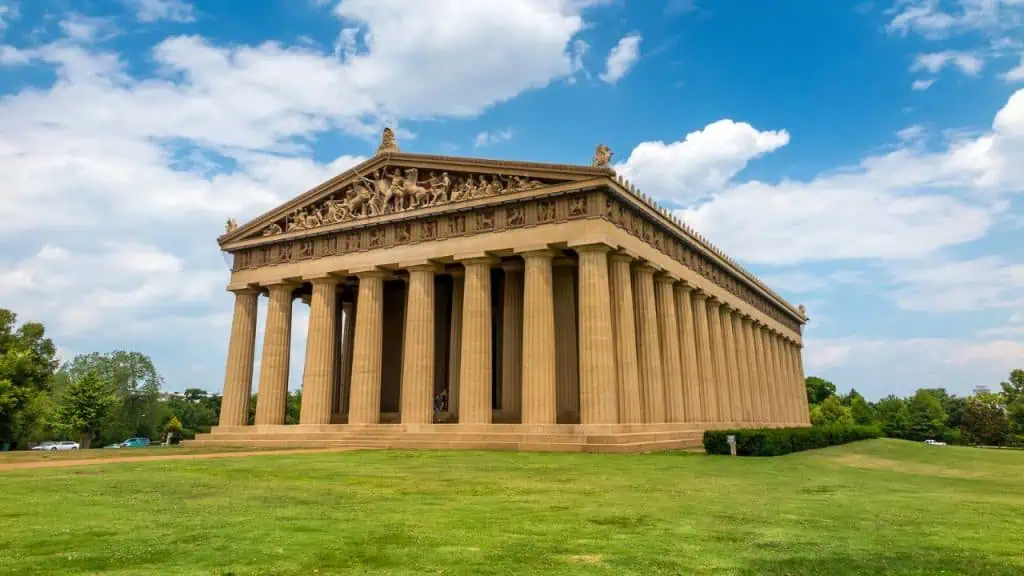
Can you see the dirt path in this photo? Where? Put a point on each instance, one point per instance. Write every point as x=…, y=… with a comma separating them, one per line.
x=90, y=461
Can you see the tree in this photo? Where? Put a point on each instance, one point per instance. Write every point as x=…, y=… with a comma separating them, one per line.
x=85, y=407
x=818, y=389
x=984, y=421
x=927, y=417
x=893, y=417
x=27, y=362
x=861, y=411
x=1013, y=393
x=173, y=430
x=832, y=411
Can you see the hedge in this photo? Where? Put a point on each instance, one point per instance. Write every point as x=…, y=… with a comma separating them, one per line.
x=779, y=441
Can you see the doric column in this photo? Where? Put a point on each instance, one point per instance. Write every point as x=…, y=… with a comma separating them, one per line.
x=731, y=364
x=705, y=344
x=512, y=341
x=764, y=360
x=455, y=342
x=688, y=354
x=567, y=380
x=234, y=409
x=540, y=402
x=779, y=379
x=758, y=396
x=367, y=354
x=652, y=382
x=599, y=398
x=668, y=337
x=806, y=415
x=624, y=334
x=742, y=369
x=277, y=341
x=722, y=393
x=790, y=363
x=347, y=346
x=417, y=393
x=475, y=397
x=318, y=370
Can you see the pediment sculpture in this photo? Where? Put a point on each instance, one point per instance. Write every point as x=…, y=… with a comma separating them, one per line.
x=602, y=156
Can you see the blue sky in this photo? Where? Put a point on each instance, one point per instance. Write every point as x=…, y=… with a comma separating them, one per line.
x=865, y=159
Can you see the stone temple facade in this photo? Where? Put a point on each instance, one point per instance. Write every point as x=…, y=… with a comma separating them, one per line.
x=468, y=303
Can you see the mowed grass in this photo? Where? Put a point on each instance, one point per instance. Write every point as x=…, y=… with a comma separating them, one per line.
x=93, y=454
x=878, y=507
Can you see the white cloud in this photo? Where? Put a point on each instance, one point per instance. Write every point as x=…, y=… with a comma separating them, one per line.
x=967, y=62
x=1015, y=74
x=621, y=58
x=8, y=13
x=929, y=19
x=703, y=162
x=491, y=138
x=878, y=367
x=905, y=204
x=922, y=85
x=167, y=10
x=986, y=282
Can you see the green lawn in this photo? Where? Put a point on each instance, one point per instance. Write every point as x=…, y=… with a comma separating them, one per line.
x=878, y=507
x=39, y=455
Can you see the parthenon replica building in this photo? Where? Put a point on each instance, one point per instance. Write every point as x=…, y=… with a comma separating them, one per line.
x=469, y=303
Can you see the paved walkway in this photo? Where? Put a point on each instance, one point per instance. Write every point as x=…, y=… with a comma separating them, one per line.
x=90, y=461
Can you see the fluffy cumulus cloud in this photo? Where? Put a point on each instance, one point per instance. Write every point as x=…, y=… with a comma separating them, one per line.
x=621, y=58
x=934, y=19
x=107, y=152
x=967, y=62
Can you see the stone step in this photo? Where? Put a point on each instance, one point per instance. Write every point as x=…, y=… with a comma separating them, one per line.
x=631, y=438
x=412, y=444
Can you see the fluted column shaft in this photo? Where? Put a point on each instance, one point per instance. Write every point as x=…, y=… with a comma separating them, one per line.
x=455, y=342
x=790, y=365
x=724, y=398
x=779, y=379
x=652, y=379
x=241, y=357
x=743, y=369
x=668, y=336
x=688, y=354
x=512, y=341
x=318, y=370
x=706, y=362
x=367, y=354
x=347, y=346
x=764, y=360
x=760, y=396
x=732, y=366
x=475, y=396
x=417, y=393
x=624, y=334
x=599, y=398
x=567, y=380
x=277, y=341
x=540, y=402
x=805, y=413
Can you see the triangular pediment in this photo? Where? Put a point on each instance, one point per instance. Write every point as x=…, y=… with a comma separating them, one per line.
x=396, y=184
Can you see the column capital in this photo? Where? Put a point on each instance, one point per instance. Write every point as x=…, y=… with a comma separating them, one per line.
x=423, y=264
x=538, y=253
x=325, y=279
x=595, y=247
x=535, y=249
x=646, y=267
x=666, y=277
x=370, y=272
x=428, y=267
x=699, y=294
x=280, y=284
x=476, y=258
x=623, y=255
x=747, y=318
x=714, y=301
x=247, y=291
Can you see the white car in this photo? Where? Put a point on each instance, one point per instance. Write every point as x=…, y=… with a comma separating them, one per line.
x=934, y=443
x=54, y=446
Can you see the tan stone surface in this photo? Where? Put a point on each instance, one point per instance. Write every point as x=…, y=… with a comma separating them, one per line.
x=668, y=336
x=349, y=316
x=475, y=392
x=742, y=369
x=688, y=354
x=418, y=357
x=735, y=406
x=802, y=377
x=719, y=359
x=241, y=351
x=364, y=398
x=758, y=393
x=318, y=369
x=539, y=393
x=765, y=368
x=273, y=387
x=624, y=335
x=779, y=378
x=512, y=341
x=706, y=363
x=652, y=383
x=599, y=397
x=455, y=342
x=566, y=340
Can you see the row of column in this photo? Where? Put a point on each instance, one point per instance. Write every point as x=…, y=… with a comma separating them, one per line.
x=648, y=349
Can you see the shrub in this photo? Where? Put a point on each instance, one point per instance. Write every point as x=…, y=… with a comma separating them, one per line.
x=779, y=441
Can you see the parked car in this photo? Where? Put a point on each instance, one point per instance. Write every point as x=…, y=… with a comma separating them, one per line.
x=54, y=446
x=934, y=443
x=135, y=443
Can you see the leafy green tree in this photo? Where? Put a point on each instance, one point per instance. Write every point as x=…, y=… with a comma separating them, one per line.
x=861, y=411
x=27, y=363
x=173, y=430
x=85, y=407
x=927, y=417
x=1013, y=393
x=832, y=411
x=294, y=407
x=818, y=389
x=893, y=417
x=137, y=386
x=984, y=421
x=851, y=397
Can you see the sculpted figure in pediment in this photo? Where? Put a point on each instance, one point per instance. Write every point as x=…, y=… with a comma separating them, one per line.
x=411, y=189
x=602, y=156
x=439, y=188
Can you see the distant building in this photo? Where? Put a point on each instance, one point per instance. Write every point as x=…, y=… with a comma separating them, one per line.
x=982, y=390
